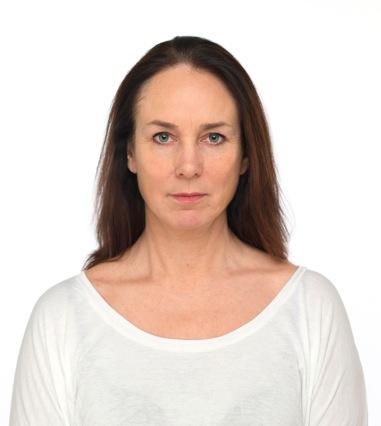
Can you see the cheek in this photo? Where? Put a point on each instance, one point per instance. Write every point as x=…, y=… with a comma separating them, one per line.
x=225, y=181
x=224, y=172
x=153, y=179
x=153, y=162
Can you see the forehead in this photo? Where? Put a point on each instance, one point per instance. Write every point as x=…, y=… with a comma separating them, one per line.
x=183, y=93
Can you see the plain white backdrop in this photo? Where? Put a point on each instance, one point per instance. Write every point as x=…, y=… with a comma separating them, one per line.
x=316, y=66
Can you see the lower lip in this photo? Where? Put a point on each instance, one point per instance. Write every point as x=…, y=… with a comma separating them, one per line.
x=187, y=199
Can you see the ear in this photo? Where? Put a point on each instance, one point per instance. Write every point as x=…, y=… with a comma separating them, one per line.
x=131, y=158
x=244, y=165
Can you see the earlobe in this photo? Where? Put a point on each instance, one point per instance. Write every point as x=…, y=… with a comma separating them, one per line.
x=244, y=165
x=129, y=164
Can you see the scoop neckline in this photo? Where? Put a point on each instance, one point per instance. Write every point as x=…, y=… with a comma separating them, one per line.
x=130, y=330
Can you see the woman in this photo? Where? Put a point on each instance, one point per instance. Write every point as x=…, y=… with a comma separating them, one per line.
x=189, y=312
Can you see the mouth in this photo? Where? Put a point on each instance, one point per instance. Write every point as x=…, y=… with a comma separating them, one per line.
x=188, y=194
x=185, y=198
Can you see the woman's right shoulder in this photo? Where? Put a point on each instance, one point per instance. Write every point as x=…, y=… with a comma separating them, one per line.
x=56, y=298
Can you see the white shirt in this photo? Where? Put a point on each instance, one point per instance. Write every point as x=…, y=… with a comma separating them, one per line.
x=81, y=363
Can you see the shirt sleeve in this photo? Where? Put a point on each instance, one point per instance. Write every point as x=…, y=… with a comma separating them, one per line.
x=338, y=393
x=39, y=394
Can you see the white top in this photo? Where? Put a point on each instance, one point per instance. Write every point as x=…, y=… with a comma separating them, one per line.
x=81, y=363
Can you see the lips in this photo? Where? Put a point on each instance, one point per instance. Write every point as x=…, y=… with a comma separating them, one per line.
x=188, y=198
x=188, y=194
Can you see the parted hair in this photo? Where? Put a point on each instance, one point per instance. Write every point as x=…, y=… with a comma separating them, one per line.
x=254, y=214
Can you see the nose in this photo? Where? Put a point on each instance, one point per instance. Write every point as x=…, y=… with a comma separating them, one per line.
x=188, y=163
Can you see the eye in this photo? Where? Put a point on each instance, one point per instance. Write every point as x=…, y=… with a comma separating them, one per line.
x=160, y=133
x=218, y=134
x=166, y=138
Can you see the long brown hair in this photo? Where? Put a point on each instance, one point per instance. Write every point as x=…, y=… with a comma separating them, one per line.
x=254, y=214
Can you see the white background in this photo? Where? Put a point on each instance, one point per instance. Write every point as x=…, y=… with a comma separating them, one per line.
x=316, y=66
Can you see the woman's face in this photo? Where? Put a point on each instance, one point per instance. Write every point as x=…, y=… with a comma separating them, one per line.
x=186, y=158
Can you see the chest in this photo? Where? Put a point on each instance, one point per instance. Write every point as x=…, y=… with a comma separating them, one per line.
x=191, y=317
x=253, y=382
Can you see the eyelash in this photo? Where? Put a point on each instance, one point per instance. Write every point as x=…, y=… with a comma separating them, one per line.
x=212, y=133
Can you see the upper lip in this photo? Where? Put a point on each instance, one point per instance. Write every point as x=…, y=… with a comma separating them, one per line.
x=188, y=194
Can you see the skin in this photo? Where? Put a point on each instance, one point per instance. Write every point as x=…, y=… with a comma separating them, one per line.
x=188, y=275
x=186, y=248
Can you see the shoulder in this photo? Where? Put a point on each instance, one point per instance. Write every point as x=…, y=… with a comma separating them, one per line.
x=318, y=288
x=324, y=307
x=53, y=304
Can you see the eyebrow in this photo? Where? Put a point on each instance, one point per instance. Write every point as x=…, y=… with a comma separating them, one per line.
x=204, y=126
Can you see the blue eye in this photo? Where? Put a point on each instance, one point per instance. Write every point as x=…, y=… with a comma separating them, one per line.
x=162, y=142
x=219, y=134
x=160, y=133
